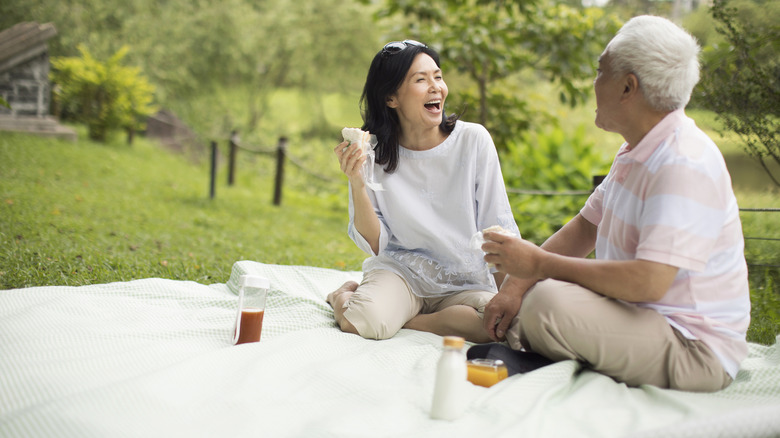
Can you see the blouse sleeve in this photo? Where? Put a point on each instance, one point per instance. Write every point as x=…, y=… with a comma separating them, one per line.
x=493, y=206
x=360, y=241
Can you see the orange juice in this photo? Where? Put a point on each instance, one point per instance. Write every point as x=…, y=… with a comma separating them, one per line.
x=486, y=372
x=251, y=325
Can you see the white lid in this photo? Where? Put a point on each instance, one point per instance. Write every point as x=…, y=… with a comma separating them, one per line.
x=254, y=281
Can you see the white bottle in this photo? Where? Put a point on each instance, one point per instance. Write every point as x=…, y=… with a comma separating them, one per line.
x=449, y=395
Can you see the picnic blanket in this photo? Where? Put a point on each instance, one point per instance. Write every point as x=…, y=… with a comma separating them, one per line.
x=153, y=358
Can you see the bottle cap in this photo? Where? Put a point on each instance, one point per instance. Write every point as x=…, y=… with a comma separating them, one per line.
x=454, y=341
x=254, y=281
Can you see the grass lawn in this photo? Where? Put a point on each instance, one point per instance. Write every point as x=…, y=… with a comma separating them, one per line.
x=85, y=213
x=82, y=213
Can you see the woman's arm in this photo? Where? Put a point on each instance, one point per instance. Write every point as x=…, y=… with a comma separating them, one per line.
x=365, y=219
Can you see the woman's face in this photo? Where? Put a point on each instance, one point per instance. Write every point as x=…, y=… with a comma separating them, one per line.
x=419, y=100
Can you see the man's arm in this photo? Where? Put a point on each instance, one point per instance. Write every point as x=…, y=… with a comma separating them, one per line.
x=561, y=258
x=628, y=280
x=576, y=238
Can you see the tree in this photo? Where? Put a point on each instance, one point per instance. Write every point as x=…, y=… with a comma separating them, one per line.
x=192, y=48
x=493, y=41
x=741, y=83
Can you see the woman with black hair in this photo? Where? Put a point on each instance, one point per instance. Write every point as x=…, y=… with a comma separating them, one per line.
x=442, y=184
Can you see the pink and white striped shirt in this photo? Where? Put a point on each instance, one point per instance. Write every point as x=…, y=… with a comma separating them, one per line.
x=669, y=200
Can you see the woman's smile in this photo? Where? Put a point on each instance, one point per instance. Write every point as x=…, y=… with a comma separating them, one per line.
x=419, y=100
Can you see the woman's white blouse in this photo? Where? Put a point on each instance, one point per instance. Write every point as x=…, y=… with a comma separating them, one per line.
x=431, y=206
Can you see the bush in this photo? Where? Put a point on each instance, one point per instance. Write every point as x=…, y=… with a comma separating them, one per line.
x=765, y=306
x=104, y=96
x=554, y=162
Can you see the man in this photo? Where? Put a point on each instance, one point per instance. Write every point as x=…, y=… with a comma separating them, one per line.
x=665, y=302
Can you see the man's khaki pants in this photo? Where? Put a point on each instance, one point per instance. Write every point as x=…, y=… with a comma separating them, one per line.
x=631, y=344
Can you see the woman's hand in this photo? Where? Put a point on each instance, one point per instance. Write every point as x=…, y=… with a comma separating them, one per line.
x=351, y=160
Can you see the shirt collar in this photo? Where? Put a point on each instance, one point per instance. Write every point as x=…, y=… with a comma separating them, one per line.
x=655, y=137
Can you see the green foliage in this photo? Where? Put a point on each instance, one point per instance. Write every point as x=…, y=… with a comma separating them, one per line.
x=741, y=79
x=104, y=96
x=630, y=8
x=4, y=103
x=765, y=306
x=189, y=47
x=493, y=42
x=552, y=162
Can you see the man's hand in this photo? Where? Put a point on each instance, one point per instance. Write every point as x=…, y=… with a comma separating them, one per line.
x=504, y=306
x=513, y=255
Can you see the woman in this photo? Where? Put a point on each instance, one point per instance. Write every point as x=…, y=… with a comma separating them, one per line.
x=442, y=184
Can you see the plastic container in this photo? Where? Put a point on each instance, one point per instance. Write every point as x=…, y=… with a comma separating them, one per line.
x=252, y=292
x=449, y=393
x=486, y=372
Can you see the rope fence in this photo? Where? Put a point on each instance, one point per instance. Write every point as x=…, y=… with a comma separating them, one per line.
x=774, y=240
x=282, y=157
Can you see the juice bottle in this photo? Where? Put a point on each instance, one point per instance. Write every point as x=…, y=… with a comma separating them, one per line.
x=252, y=292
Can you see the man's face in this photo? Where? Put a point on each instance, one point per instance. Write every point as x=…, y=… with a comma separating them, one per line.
x=608, y=88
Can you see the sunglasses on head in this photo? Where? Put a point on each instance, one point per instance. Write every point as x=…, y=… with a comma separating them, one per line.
x=396, y=46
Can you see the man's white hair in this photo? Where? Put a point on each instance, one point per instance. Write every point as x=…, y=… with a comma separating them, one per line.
x=663, y=56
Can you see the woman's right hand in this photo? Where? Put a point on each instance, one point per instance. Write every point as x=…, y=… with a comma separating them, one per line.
x=351, y=160
x=366, y=221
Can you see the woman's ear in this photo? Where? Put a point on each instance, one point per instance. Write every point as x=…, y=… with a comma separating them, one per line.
x=392, y=102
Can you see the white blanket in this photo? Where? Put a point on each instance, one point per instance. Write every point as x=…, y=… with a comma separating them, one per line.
x=153, y=358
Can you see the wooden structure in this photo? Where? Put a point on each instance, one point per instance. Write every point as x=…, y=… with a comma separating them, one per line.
x=174, y=134
x=24, y=81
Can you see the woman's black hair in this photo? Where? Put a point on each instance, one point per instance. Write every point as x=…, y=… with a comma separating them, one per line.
x=385, y=76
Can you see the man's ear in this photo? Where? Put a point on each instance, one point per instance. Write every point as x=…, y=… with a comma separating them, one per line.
x=392, y=102
x=630, y=86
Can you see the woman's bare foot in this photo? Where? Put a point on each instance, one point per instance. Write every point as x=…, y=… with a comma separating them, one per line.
x=348, y=287
x=337, y=299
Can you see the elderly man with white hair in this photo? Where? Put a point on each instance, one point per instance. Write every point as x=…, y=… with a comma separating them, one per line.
x=665, y=301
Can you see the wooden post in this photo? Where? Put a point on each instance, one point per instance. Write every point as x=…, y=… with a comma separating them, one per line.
x=280, y=152
x=232, y=158
x=130, y=135
x=597, y=179
x=212, y=182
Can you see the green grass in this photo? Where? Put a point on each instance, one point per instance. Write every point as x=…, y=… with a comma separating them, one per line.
x=83, y=213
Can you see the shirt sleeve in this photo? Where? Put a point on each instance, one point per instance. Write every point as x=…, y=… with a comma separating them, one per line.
x=593, y=210
x=493, y=206
x=354, y=234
